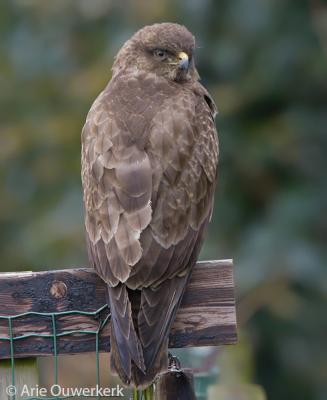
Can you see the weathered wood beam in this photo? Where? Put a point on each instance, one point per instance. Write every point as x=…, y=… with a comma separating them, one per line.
x=206, y=317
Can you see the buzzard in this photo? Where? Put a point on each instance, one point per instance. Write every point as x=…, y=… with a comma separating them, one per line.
x=149, y=160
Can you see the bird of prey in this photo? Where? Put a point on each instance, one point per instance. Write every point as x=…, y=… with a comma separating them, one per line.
x=149, y=166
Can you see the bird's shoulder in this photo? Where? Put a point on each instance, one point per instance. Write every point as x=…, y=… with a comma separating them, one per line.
x=183, y=148
x=203, y=98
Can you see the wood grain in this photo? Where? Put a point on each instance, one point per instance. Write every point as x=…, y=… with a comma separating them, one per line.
x=206, y=317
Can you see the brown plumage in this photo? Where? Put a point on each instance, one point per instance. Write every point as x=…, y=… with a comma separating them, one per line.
x=149, y=156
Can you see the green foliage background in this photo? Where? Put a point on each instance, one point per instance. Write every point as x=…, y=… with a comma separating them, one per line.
x=264, y=62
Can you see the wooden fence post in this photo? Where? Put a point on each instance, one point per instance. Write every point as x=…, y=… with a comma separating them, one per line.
x=176, y=383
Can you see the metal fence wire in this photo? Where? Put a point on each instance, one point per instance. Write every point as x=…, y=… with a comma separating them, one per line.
x=54, y=335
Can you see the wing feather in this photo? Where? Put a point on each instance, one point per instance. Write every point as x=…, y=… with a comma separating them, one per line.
x=183, y=138
x=117, y=180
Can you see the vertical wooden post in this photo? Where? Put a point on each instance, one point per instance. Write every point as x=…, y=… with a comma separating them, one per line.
x=175, y=385
x=26, y=376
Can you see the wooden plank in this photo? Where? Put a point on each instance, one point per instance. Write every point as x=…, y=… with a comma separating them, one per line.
x=26, y=378
x=206, y=318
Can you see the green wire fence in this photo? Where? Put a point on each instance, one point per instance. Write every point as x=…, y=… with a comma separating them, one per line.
x=54, y=336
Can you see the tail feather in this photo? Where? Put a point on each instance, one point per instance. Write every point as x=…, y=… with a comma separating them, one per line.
x=125, y=345
x=139, y=343
x=142, y=319
x=138, y=378
x=141, y=380
x=141, y=322
x=155, y=318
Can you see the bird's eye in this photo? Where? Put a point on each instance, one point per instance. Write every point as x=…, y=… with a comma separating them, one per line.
x=160, y=54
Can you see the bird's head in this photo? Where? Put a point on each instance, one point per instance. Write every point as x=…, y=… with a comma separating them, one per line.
x=165, y=49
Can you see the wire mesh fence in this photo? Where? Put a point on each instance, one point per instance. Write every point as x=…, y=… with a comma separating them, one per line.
x=101, y=315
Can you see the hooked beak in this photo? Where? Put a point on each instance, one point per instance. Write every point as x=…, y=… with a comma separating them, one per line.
x=183, y=60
